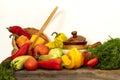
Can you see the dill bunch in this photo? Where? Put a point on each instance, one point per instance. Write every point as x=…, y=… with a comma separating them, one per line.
x=108, y=54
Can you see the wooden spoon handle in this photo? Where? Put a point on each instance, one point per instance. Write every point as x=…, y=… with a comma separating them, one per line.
x=43, y=28
x=48, y=20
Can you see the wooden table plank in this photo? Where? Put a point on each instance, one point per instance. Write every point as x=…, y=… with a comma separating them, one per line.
x=76, y=74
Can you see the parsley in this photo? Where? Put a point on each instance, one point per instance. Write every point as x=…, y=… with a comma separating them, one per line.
x=108, y=54
x=6, y=72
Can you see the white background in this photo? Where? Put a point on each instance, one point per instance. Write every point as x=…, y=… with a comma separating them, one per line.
x=93, y=19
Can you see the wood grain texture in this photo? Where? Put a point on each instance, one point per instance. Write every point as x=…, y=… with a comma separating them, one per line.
x=76, y=74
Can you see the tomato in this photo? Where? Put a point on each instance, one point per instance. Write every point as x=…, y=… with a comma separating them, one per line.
x=41, y=49
x=92, y=62
x=86, y=58
x=86, y=54
x=31, y=64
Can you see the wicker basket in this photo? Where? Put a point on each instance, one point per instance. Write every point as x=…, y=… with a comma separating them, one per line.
x=31, y=31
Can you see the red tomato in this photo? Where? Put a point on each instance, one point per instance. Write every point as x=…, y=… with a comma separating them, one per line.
x=86, y=58
x=86, y=54
x=41, y=49
x=92, y=62
x=31, y=64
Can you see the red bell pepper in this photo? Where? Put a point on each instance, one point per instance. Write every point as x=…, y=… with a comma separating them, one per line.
x=22, y=51
x=18, y=31
x=51, y=64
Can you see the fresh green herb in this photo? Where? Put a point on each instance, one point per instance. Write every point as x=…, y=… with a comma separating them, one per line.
x=108, y=54
x=6, y=72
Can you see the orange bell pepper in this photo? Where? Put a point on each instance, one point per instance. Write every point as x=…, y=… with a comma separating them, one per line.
x=21, y=40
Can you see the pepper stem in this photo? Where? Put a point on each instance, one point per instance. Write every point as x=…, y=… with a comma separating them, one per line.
x=57, y=34
x=62, y=64
x=16, y=36
x=8, y=28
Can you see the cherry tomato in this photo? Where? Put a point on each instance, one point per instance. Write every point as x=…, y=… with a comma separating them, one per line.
x=92, y=62
x=31, y=64
x=86, y=58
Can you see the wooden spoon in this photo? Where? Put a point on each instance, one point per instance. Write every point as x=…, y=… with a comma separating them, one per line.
x=42, y=29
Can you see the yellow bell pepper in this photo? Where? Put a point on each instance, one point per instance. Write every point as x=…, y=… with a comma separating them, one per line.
x=21, y=40
x=76, y=57
x=66, y=60
x=73, y=59
x=60, y=37
x=39, y=41
x=51, y=45
x=58, y=41
x=55, y=44
x=79, y=56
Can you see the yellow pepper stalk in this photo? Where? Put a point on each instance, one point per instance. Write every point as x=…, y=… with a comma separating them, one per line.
x=39, y=41
x=22, y=40
x=60, y=37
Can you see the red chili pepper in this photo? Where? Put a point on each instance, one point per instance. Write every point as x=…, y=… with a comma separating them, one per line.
x=18, y=30
x=55, y=64
x=22, y=51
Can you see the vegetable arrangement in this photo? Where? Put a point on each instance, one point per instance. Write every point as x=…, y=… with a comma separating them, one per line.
x=51, y=56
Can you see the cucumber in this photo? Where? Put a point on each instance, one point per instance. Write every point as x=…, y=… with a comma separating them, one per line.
x=18, y=62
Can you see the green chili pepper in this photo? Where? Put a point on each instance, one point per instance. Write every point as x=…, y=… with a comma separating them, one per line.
x=60, y=36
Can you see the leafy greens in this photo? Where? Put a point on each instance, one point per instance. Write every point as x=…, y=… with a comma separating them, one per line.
x=108, y=54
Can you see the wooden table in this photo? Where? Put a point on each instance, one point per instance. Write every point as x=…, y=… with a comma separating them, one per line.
x=75, y=74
